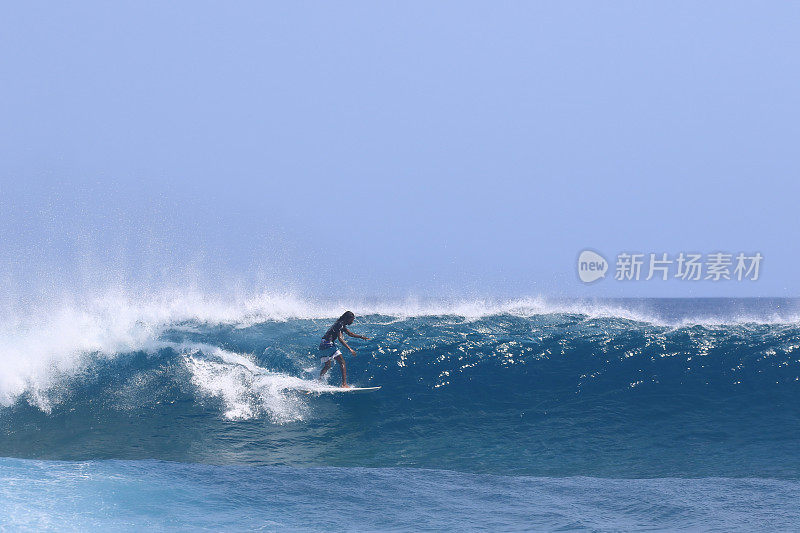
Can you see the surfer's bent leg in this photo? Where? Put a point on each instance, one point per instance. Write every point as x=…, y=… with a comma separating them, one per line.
x=344, y=370
x=326, y=356
x=325, y=369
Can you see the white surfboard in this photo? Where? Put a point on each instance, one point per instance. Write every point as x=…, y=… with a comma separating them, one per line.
x=359, y=389
x=335, y=390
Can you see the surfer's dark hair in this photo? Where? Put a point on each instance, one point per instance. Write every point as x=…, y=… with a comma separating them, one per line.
x=348, y=316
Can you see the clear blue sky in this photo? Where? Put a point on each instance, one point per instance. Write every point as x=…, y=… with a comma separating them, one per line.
x=396, y=148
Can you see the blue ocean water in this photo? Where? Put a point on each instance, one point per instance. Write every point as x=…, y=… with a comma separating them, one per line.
x=532, y=414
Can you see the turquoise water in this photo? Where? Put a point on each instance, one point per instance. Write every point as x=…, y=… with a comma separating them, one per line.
x=604, y=415
x=132, y=495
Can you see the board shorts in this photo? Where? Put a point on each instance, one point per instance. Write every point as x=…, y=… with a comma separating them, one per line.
x=328, y=352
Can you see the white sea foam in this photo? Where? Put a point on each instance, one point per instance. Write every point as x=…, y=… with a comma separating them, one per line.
x=39, y=347
x=246, y=389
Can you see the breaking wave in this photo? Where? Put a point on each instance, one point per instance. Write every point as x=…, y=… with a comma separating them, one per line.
x=613, y=388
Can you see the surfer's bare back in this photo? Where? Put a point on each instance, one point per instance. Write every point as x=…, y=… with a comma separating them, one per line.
x=329, y=351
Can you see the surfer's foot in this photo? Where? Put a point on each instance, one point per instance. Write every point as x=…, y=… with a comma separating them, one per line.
x=346, y=386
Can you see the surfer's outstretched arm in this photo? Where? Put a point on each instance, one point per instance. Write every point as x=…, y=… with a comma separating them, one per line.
x=344, y=343
x=357, y=336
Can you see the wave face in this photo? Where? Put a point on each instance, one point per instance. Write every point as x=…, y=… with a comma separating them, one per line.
x=612, y=389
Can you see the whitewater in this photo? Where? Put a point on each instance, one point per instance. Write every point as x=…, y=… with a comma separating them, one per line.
x=532, y=413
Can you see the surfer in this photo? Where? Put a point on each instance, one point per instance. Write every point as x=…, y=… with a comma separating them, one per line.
x=329, y=351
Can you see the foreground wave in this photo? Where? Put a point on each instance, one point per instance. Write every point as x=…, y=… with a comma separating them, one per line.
x=545, y=391
x=47, y=495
